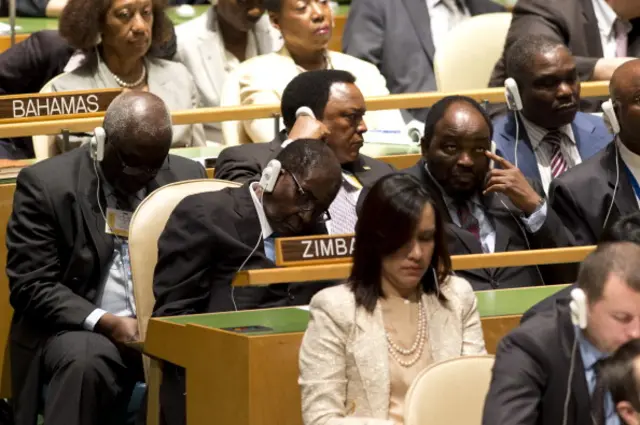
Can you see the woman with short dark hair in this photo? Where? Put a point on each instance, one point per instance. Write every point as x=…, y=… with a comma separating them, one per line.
x=400, y=311
x=122, y=40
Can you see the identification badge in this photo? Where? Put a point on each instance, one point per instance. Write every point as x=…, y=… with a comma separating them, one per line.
x=118, y=222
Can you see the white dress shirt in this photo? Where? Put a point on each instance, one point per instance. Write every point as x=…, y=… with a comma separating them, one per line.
x=606, y=18
x=267, y=230
x=632, y=161
x=444, y=15
x=544, y=152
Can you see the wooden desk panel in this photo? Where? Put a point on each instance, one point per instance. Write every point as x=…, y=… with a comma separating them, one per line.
x=6, y=204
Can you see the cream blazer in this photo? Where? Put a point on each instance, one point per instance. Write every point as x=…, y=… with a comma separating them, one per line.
x=201, y=50
x=264, y=78
x=344, y=366
x=168, y=80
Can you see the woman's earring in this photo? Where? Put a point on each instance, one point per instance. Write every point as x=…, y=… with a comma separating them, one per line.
x=435, y=281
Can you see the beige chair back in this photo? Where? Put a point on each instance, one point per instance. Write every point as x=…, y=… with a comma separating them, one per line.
x=449, y=392
x=146, y=225
x=466, y=58
x=44, y=146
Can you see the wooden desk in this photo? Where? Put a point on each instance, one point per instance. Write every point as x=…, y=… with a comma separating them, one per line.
x=251, y=379
x=6, y=206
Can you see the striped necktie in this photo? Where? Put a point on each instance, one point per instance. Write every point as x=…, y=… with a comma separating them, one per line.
x=343, y=209
x=558, y=163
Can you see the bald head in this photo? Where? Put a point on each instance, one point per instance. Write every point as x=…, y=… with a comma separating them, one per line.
x=624, y=89
x=138, y=117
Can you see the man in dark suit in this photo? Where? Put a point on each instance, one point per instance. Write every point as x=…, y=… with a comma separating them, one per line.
x=596, y=193
x=30, y=64
x=385, y=32
x=627, y=229
x=488, y=210
x=338, y=107
x=545, y=371
x=597, y=42
x=234, y=229
x=549, y=133
x=69, y=275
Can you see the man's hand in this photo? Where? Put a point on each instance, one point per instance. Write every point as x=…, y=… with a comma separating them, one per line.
x=307, y=127
x=605, y=67
x=510, y=181
x=120, y=330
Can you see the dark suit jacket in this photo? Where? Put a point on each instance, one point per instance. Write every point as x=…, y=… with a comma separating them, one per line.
x=57, y=253
x=570, y=22
x=590, y=133
x=582, y=196
x=246, y=162
x=382, y=32
x=510, y=236
x=531, y=372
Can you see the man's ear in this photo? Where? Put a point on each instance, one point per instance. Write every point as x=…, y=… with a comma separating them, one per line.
x=275, y=21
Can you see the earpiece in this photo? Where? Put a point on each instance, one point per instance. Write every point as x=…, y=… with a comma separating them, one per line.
x=305, y=110
x=96, y=145
x=512, y=95
x=270, y=175
x=578, y=306
x=610, y=115
x=493, y=151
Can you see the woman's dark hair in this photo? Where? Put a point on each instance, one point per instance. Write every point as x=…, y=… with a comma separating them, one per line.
x=618, y=376
x=390, y=214
x=81, y=22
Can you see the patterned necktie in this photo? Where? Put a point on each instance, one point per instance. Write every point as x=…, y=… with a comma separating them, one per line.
x=598, y=397
x=621, y=30
x=467, y=220
x=343, y=210
x=558, y=163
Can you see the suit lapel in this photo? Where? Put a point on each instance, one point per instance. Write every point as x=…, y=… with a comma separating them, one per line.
x=247, y=224
x=592, y=35
x=363, y=172
x=625, y=200
x=582, y=131
x=527, y=162
x=497, y=211
x=419, y=16
x=94, y=221
x=371, y=358
x=210, y=46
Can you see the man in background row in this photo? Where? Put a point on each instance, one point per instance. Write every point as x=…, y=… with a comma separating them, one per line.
x=400, y=37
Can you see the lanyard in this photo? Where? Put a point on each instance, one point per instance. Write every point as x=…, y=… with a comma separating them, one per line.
x=634, y=182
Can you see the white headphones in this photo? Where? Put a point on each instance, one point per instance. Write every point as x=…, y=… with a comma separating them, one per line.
x=578, y=306
x=96, y=145
x=270, y=175
x=610, y=114
x=512, y=95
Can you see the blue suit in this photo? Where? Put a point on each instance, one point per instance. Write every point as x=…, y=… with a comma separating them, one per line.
x=589, y=131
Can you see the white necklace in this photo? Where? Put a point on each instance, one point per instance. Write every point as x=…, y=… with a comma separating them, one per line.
x=418, y=346
x=136, y=83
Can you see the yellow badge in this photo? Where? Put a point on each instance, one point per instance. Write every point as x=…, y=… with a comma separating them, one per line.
x=118, y=222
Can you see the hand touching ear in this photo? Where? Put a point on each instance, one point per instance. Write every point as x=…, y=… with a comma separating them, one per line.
x=307, y=127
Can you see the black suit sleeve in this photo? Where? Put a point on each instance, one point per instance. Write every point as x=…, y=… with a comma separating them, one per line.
x=363, y=35
x=29, y=65
x=236, y=165
x=517, y=384
x=186, y=249
x=33, y=261
x=540, y=17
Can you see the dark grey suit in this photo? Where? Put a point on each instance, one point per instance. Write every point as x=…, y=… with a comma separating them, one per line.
x=570, y=22
x=511, y=235
x=396, y=37
x=582, y=196
x=531, y=373
x=245, y=162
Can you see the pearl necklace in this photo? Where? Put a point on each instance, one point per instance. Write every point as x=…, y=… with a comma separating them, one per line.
x=418, y=346
x=136, y=83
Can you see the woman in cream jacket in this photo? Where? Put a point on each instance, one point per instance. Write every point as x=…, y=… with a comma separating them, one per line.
x=400, y=311
x=306, y=27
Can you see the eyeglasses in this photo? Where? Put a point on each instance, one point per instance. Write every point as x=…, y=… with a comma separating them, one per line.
x=141, y=171
x=307, y=201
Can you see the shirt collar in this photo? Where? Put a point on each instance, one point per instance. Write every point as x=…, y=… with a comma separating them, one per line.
x=267, y=231
x=630, y=159
x=537, y=133
x=590, y=354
